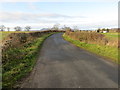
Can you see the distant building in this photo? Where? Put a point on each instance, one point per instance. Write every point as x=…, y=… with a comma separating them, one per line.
x=104, y=31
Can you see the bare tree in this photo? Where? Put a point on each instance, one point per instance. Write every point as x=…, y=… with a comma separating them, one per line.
x=75, y=28
x=107, y=30
x=103, y=30
x=66, y=28
x=18, y=28
x=8, y=28
x=56, y=27
x=2, y=28
x=27, y=28
x=98, y=30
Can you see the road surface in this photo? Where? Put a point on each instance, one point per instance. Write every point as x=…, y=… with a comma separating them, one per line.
x=63, y=65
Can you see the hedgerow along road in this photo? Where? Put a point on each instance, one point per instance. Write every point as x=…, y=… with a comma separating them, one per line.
x=63, y=65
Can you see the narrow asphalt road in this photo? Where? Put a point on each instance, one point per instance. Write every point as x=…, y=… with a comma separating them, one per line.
x=63, y=65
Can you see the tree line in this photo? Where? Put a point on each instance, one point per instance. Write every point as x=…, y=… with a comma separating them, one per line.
x=17, y=28
x=27, y=28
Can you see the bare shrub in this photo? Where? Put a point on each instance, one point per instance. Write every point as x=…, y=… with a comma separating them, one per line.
x=91, y=38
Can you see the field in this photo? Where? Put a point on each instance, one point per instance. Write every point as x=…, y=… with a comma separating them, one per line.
x=4, y=34
x=112, y=36
x=107, y=51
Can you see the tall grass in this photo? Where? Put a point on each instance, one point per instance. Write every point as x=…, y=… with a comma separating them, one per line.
x=92, y=38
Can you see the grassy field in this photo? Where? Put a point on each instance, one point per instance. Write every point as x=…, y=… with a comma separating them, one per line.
x=106, y=51
x=20, y=61
x=4, y=34
x=112, y=36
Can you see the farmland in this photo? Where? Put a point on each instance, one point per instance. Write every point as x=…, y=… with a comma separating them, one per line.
x=112, y=36
x=4, y=34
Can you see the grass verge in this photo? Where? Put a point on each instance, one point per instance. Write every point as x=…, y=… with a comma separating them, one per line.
x=21, y=61
x=106, y=51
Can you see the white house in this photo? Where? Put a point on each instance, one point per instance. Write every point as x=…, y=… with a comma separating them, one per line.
x=104, y=31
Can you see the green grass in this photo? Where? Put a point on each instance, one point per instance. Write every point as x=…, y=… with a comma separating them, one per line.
x=20, y=61
x=4, y=34
x=112, y=36
x=106, y=51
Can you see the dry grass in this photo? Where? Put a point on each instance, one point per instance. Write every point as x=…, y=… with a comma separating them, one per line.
x=93, y=38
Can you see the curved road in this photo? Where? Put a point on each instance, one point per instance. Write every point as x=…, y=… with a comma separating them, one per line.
x=63, y=65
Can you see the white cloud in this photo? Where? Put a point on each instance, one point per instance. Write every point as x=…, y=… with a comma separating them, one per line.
x=32, y=6
x=41, y=20
x=12, y=19
x=38, y=18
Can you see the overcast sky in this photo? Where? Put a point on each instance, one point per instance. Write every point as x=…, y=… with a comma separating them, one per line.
x=86, y=14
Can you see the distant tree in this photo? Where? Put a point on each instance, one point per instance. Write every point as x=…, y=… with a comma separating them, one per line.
x=8, y=28
x=18, y=28
x=27, y=28
x=75, y=28
x=107, y=30
x=103, y=29
x=2, y=28
x=56, y=27
x=66, y=28
x=98, y=30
